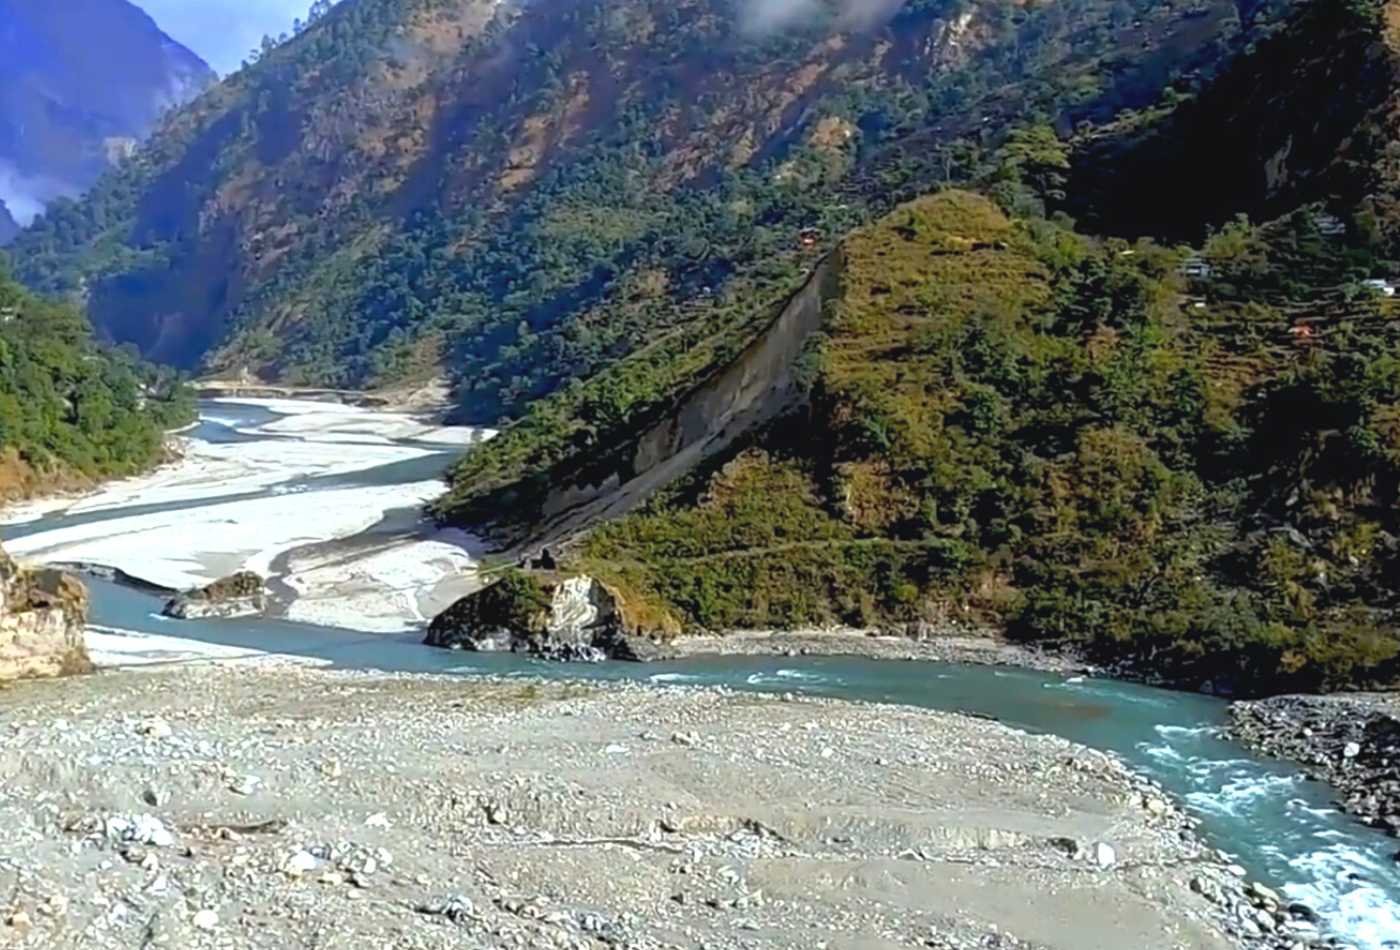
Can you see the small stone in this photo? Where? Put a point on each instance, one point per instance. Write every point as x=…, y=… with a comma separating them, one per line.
x=206, y=920
x=687, y=739
x=1236, y=870
x=147, y=829
x=455, y=908
x=153, y=796
x=246, y=785
x=377, y=820
x=1351, y=750
x=155, y=729
x=299, y=864
x=1104, y=855
x=19, y=920
x=1262, y=893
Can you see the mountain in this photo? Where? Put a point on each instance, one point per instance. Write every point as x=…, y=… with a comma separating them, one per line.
x=81, y=82
x=518, y=194
x=8, y=227
x=1183, y=463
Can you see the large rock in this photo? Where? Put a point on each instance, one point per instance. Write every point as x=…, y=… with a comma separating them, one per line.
x=238, y=595
x=573, y=618
x=42, y=618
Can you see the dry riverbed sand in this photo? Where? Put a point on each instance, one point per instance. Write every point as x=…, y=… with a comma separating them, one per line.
x=284, y=807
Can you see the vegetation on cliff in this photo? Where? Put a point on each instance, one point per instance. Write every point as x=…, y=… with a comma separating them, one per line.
x=71, y=411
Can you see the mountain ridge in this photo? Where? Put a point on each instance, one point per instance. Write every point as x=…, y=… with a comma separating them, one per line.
x=79, y=86
x=520, y=197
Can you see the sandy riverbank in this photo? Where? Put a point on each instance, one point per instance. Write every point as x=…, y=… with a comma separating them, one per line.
x=289, y=483
x=312, y=808
x=982, y=647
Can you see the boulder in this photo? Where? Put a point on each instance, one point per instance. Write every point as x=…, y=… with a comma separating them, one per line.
x=238, y=595
x=43, y=615
x=557, y=617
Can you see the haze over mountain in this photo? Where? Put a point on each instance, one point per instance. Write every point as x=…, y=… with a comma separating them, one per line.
x=81, y=82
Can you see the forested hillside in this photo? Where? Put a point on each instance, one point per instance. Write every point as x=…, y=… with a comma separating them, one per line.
x=521, y=194
x=71, y=413
x=1012, y=424
x=1180, y=455
x=1309, y=113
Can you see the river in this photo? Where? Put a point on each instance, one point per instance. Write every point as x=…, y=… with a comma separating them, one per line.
x=1281, y=828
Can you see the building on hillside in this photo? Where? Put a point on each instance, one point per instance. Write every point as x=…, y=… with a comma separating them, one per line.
x=1329, y=225
x=1196, y=268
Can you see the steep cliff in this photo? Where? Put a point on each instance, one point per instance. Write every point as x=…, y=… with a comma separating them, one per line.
x=42, y=618
x=522, y=193
x=81, y=82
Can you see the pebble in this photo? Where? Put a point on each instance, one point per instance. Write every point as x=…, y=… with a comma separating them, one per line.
x=300, y=863
x=155, y=729
x=246, y=785
x=206, y=920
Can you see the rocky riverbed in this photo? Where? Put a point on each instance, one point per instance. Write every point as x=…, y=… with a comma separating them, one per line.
x=285, y=807
x=1351, y=741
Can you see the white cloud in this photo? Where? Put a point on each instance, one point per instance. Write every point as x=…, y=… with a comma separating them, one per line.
x=26, y=195
x=224, y=31
x=767, y=16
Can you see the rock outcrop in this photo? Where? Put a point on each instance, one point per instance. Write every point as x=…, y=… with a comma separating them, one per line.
x=566, y=618
x=42, y=618
x=238, y=595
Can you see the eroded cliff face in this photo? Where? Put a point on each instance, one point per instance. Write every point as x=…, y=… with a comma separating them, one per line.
x=42, y=617
x=754, y=389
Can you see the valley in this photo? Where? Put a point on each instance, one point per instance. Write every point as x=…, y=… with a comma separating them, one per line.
x=976, y=423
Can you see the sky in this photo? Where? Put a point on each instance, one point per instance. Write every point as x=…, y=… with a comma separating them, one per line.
x=222, y=32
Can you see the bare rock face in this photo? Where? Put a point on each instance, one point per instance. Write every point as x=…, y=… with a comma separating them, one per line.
x=238, y=595
x=567, y=618
x=42, y=618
